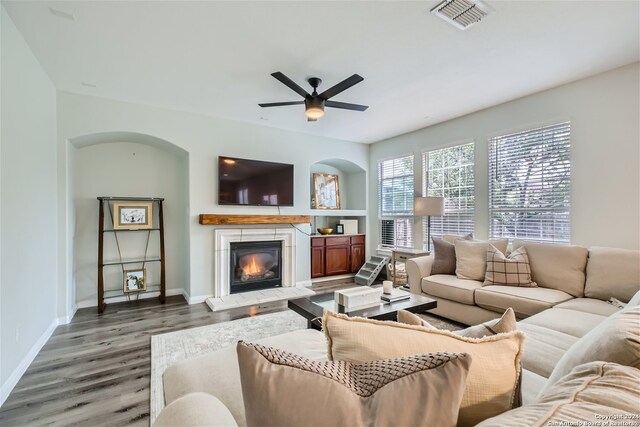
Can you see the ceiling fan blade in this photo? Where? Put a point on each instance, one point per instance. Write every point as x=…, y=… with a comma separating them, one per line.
x=280, y=104
x=343, y=85
x=290, y=84
x=345, y=106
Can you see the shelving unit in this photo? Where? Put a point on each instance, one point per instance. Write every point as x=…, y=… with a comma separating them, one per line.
x=102, y=231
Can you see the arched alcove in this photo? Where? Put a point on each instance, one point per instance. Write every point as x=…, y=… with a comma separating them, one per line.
x=126, y=164
x=352, y=179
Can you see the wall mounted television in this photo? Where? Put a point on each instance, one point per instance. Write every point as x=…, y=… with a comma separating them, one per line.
x=254, y=182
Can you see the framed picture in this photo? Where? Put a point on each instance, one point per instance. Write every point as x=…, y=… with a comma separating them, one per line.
x=135, y=280
x=132, y=215
x=339, y=229
x=327, y=191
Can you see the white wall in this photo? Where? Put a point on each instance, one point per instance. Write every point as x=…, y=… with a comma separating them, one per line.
x=605, y=153
x=28, y=207
x=204, y=138
x=134, y=170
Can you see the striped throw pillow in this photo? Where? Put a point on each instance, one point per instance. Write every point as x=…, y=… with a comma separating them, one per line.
x=512, y=270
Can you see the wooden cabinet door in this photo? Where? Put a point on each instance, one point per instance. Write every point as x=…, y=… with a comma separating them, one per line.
x=337, y=260
x=317, y=261
x=357, y=257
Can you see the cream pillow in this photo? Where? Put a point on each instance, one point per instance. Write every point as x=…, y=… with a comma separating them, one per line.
x=471, y=257
x=506, y=323
x=492, y=384
x=282, y=389
x=512, y=270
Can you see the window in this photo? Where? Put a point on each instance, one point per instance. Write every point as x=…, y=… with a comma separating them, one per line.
x=449, y=173
x=395, y=201
x=529, y=184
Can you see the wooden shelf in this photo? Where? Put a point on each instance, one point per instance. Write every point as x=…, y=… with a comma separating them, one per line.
x=213, y=219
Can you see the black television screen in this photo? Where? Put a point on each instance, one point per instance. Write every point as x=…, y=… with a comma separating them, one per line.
x=254, y=182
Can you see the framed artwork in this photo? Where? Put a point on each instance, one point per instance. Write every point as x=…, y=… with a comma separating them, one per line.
x=339, y=229
x=135, y=280
x=327, y=191
x=132, y=215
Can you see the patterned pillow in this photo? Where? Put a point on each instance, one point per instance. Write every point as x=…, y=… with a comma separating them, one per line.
x=283, y=389
x=512, y=270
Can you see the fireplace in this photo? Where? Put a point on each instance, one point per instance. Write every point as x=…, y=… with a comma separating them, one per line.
x=255, y=265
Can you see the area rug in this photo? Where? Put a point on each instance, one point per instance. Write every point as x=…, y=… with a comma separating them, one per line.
x=169, y=348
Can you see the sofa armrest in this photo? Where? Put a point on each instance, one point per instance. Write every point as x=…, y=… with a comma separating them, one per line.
x=417, y=268
x=195, y=409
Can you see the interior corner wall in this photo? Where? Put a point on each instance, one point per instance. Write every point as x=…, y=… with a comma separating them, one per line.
x=604, y=112
x=28, y=206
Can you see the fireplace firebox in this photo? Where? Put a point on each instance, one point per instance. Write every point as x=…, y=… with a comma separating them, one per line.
x=255, y=265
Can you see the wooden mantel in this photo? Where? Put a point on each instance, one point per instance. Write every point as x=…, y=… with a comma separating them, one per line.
x=212, y=219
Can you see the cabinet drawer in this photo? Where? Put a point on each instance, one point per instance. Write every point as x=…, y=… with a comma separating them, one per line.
x=317, y=241
x=337, y=241
x=357, y=240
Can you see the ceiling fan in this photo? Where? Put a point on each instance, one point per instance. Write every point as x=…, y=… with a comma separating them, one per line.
x=315, y=103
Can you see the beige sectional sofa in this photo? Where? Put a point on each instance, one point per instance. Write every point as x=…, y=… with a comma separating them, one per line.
x=571, y=300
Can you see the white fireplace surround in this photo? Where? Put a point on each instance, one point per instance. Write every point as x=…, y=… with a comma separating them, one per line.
x=223, y=237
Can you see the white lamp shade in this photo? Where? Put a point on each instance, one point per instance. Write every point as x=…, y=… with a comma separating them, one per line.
x=428, y=206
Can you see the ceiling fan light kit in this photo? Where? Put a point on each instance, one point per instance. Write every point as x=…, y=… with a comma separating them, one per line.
x=314, y=103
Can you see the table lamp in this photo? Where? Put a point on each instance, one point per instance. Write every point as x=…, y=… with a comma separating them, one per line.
x=428, y=206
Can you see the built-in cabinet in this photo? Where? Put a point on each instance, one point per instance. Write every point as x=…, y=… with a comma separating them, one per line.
x=337, y=254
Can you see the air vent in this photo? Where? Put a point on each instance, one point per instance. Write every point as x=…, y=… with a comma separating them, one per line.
x=462, y=13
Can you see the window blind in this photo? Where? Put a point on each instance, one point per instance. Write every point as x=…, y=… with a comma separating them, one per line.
x=530, y=184
x=395, y=201
x=450, y=173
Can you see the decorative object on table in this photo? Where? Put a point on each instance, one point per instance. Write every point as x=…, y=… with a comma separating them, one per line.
x=327, y=191
x=339, y=228
x=358, y=296
x=350, y=226
x=387, y=286
x=135, y=280
x=132, y=215
x=428, y=206
x=395, y=295
x=325, y=231
x=397, y=273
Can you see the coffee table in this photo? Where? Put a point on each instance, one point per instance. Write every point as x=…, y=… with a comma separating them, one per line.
x=312, y=308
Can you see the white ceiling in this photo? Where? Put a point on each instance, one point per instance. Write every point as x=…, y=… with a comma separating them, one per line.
x=215, y=57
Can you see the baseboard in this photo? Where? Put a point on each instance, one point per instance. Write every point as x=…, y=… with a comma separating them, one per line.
x=331, y=278
x=304, y=284
x=142, y=295
x=197, y=299
x=64, y=320
x=17, y=373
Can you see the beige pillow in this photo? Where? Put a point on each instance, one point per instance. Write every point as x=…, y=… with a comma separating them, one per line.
x=506, y=323
x=512, y=270
x=492, y=385
x=195, y=409
x=594, y=388
x=471, y=257
x=444, y=255
x=451, y=238
x=616, y=339
x=283, y=389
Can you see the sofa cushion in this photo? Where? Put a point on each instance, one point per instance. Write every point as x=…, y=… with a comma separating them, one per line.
x=506, y=323
x=217, y=373
x=493, y=377
x=557, y=267
x=532, y=383
x=524, y=301
x=283, y=389
x=589, y=305
x=512, y=270
x=592, y=389
x=444, y=255
x=635, y=300
x=193, y=410
x=570, y=322
x=612, y=273
x=471, y=257
x=450, y=287
x=543, y=348
x=616, y=339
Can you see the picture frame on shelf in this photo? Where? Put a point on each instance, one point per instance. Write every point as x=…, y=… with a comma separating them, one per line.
x=132, y=215
x=339, y=229
x=326, y=191
x=135, y=280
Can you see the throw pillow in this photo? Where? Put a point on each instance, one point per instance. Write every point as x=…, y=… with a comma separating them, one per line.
x=506, y=323
x=444, y=255
x=283, y=389
x=512, y=270
x=593, y=388
x=471, y=257
x=451, y=238
x=616, y=339
x=492, y=385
